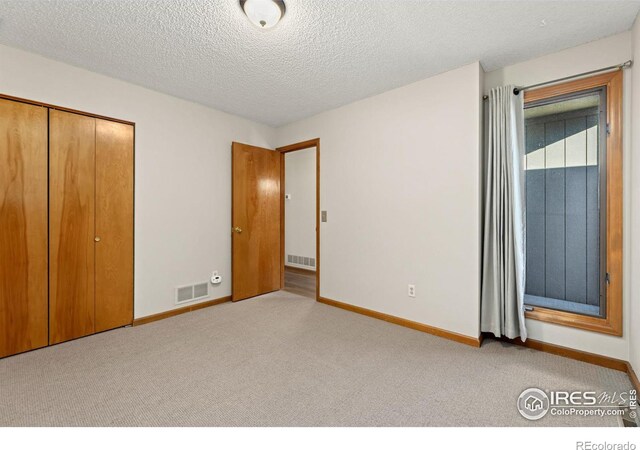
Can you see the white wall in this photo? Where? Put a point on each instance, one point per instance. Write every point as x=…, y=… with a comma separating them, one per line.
x=400, y=180
x=595, y=55
x=183, y=170
x=300, y=209
x=634, y=298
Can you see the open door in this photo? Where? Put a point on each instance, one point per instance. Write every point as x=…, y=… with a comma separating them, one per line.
x=255, y=215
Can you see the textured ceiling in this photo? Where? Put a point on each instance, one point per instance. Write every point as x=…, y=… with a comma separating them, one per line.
x=324, y=53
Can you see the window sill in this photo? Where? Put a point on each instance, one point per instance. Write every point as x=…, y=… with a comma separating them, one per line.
x=595, y=324
x=553, y=304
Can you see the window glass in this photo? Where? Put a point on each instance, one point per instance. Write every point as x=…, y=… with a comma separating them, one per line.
x=564, y=176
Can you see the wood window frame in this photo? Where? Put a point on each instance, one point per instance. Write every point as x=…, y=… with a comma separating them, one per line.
x=612, y=322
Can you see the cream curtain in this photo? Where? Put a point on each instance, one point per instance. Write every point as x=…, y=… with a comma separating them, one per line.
x=503, y=261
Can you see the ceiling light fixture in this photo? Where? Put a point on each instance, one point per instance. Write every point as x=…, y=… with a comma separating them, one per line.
x=263, y=13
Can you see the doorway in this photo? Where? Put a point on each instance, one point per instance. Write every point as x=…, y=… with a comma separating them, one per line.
x=300, y=218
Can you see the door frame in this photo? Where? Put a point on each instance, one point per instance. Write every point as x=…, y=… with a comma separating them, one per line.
x=284, y=150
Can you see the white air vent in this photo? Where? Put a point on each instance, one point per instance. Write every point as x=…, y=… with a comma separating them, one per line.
x=301, y=260
x=184, y=294
x=190, y=293
x=200, y=290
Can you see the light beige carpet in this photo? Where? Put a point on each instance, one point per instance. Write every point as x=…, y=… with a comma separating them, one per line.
x=283, y=359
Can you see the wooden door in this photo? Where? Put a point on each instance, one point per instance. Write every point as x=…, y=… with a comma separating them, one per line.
x=71, y=225
x=23, y=227
x=255, y=221
x=114, y=225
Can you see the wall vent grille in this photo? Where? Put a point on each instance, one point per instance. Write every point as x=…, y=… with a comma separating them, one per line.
x=301, y=260
x=193, y=292
x=200, y=290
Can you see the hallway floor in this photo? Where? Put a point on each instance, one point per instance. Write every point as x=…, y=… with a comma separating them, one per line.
x=301, y=282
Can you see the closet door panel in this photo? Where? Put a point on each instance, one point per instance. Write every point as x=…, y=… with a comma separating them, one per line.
x=23, y=227
x=71, y=225
x=114, y=225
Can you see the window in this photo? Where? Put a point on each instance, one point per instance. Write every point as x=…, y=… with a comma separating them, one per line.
x=573, y=185
x=564, y=167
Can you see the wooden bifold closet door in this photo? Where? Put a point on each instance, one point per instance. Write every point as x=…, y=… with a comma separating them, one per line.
x=71, y=225
x=23, y=227
x=90, y=225
x=66, y=225
x=114, y=225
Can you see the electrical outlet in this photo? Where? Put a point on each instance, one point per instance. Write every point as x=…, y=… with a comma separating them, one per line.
x=412, y=290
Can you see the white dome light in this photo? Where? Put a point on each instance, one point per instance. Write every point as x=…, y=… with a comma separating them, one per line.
x=263, y=13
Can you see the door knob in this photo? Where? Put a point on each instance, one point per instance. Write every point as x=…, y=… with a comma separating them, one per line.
x=237, y=230
x=97, y=239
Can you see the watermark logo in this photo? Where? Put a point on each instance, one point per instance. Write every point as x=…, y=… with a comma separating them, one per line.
x=533, y=404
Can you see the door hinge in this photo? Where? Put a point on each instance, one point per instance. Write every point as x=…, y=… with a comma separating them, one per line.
x=607, y=278
x=608, y=128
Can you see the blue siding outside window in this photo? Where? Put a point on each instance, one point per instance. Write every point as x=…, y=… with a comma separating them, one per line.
x=562, y=211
